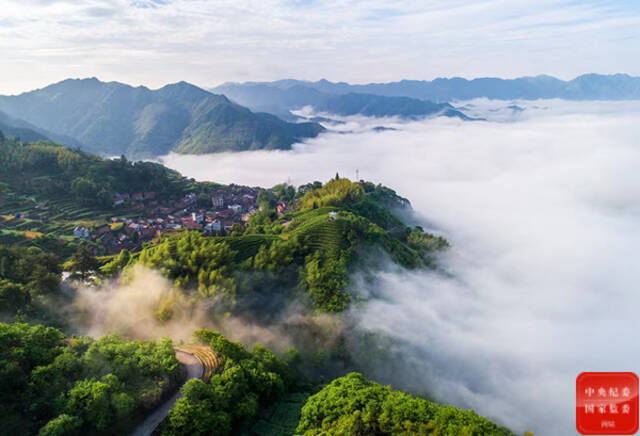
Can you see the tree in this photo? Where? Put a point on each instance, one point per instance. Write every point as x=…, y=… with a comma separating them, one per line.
x=356, y=406
x=82, y=262
x=336, y=192
x=85, y=189
x=266, y=202
x=237, y=229
x=244, y=382
x=13, y=296
x=63, y=425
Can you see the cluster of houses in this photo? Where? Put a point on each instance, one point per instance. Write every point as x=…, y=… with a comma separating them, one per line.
x=229, y=205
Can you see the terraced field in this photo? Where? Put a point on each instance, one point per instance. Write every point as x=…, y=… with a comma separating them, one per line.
x=56, y=217
x=322, y=231
x=247, y=245
x=206, y=355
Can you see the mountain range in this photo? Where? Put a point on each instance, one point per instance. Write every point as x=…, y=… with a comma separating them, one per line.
x=281, y=100
x=584, y=87
x=111, y=118
x=114, y=118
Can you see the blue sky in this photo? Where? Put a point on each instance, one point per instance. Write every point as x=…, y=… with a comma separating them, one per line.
x=207, y=42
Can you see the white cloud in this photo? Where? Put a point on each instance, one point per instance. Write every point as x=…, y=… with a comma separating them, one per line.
x=542, y=215
x=153, y=42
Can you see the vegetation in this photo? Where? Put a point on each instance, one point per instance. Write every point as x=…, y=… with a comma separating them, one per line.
x=254, y=393
x=52, y=171
x=139, y=122
x=47, y=190
x=246, y=382
x=54, y=385
x=352, y=405
x=57, y=386
x=307, y=252
x=29, y=283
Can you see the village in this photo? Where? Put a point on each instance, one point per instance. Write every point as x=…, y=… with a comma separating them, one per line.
x=140, y=217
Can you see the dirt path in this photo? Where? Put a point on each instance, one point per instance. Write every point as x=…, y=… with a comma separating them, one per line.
x=195, y=369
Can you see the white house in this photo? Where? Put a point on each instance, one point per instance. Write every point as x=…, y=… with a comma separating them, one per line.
x=197, y=217
x=81, y=232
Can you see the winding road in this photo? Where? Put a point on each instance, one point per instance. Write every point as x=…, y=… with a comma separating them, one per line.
x=195, y=369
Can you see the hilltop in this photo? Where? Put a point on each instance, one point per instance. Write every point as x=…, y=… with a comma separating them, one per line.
x=310, y=237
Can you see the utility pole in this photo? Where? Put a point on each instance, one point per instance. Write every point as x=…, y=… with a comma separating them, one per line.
x=357, y=175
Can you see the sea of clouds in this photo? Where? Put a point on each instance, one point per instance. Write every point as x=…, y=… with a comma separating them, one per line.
x=541, y=204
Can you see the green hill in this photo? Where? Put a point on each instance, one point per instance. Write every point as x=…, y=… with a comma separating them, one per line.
x=117, y=119
x=307, y=253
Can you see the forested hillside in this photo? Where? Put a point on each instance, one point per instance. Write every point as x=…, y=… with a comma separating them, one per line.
x=256, y=393
x=116, y=119
x=353, y=405
x=307, y=252
x=52, y=171
x=52, y=385
x=298, y=248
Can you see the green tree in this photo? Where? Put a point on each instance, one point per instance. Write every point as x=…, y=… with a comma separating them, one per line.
x=62, y=425
x=82, y=262
x=354, y=405
x=84, y=189
x=265, y=201
x=100, y=403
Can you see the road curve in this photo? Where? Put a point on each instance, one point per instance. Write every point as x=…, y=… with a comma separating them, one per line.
x=195, y=369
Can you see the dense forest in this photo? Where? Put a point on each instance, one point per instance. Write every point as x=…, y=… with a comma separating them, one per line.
x=249, y=381
x=52, y=385
x=353, y=405
x=57, y=381
x=47, y=169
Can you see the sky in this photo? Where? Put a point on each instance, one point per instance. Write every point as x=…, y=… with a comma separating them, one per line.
x=208, y=42
x=540, y=208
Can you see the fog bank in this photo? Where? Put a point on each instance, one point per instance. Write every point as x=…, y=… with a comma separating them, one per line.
x=541, y=208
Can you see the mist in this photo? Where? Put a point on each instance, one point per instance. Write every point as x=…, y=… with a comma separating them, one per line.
x=541, y=207
x=142, y=304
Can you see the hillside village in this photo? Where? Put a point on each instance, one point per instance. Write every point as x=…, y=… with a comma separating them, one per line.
x=139, y=217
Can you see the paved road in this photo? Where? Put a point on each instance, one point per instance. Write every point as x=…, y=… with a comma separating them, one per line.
x=195, y=369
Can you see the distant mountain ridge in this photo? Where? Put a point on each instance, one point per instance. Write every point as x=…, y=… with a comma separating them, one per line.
x=13, y=128
x=27, y=132
x=584, y=87
x=266, y=97
x=113, y=118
